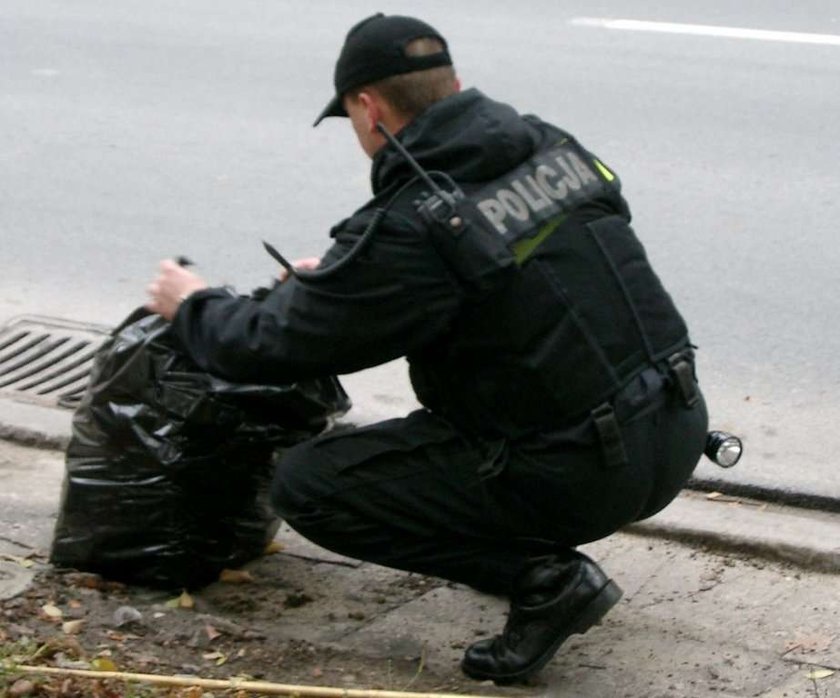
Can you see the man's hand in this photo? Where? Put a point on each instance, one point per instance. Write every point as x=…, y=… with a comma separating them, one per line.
x=173, y=285
x=307, y=263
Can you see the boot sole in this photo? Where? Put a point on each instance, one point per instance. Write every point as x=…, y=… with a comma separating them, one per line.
x=607, y=597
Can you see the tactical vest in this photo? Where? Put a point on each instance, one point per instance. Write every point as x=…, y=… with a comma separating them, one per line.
x=565, y=308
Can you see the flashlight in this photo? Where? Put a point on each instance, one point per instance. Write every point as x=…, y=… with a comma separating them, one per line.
x=723, y=449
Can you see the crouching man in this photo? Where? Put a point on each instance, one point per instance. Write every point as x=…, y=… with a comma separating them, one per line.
x=556, y=375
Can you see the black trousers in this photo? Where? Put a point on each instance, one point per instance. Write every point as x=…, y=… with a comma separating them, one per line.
x=416, y=494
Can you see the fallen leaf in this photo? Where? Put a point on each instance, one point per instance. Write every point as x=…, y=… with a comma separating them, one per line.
x=182, y=601
x=236, y=577
x=216, y=657
x=52, y=611
x=21, y=687
x=145, y=659
x=22, y=561
x=721, y=497
x=212, y=633
x=62, y=662
x=84, y=580
x=103, y=664
x=72, y=627
x=57, y=645
x=74, y=603
x=808, y=642
x=817, y=674
x=273, y=547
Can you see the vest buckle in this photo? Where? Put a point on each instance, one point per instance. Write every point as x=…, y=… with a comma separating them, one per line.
x=681, y=368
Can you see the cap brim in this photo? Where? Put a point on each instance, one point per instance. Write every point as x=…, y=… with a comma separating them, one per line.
x=334, y=108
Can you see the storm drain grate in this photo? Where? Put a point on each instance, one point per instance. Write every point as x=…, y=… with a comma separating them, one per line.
x=47, y=360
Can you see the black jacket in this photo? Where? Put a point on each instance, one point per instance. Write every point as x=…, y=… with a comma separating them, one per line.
x=526, y=357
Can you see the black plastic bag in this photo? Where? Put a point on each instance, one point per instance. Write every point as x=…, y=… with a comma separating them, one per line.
x=168, y=467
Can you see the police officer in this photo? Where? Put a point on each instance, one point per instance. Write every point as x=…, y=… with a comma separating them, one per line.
x=556, y=375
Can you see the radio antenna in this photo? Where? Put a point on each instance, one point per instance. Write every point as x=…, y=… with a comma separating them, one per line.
x=410, y=160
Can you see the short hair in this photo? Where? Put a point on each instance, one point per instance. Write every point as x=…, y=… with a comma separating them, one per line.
x=412, y=93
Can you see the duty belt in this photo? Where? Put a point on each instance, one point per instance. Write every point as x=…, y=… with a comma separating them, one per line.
x=680, y=369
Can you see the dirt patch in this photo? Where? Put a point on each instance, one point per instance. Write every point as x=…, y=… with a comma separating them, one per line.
x=282, y=622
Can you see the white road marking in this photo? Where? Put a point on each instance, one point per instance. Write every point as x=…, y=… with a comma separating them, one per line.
x=707, y=30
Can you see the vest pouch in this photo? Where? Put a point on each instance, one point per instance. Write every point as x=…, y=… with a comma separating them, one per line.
x=472, y=249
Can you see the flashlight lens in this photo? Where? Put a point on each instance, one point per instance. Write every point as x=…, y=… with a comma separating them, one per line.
x=723, y=449
x=728, y=452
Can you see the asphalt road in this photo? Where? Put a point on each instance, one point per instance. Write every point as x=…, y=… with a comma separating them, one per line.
x=134, y=130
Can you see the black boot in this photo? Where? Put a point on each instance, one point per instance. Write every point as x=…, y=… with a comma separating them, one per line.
x=557, y=597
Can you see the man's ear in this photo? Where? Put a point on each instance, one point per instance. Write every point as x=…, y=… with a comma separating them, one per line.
x=373, y=110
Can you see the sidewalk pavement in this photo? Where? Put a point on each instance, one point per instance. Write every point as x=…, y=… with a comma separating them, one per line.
x=722, y=597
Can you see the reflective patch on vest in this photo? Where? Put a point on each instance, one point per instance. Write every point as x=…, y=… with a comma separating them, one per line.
x=551, y=183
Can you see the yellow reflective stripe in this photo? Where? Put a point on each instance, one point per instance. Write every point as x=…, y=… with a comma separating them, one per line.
x=522, y=249
x=602, y=168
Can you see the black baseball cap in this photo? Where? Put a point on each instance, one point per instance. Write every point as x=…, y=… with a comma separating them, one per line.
x=375, y=49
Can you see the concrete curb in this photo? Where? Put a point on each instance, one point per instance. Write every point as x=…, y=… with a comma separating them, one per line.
x=34, y=425
x=806, y=538
x=791, y=498
x=803, y=537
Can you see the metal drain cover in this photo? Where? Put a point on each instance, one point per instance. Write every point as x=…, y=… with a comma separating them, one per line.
x=47, y=361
